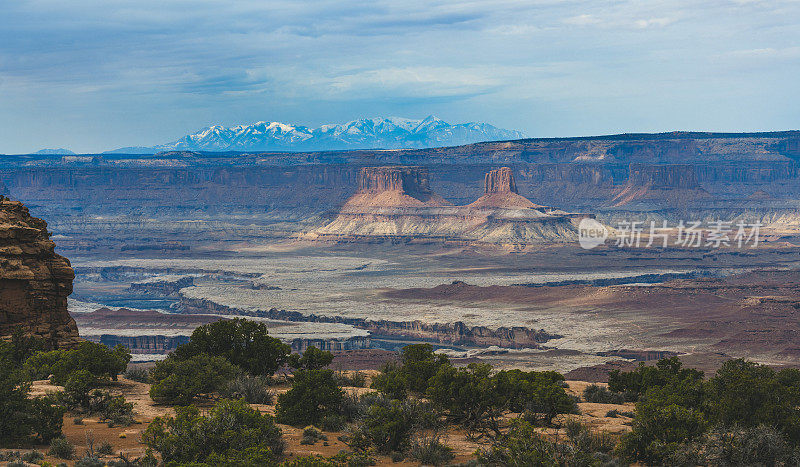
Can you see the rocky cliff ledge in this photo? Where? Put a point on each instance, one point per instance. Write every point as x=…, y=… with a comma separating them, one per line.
x=34, y=280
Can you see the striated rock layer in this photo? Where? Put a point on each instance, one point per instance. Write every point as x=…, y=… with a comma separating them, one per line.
x=34, y=280
x=397, y=203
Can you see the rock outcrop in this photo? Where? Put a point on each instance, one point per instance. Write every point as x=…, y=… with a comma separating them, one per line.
x=500, y=191
x=500, y=181
x=34, y=280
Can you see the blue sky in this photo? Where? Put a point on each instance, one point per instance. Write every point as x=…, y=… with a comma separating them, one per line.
x=97, y=75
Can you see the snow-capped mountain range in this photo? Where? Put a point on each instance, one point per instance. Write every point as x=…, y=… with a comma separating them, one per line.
x=367, y=133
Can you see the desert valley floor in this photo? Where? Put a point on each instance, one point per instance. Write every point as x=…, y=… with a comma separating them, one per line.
x=557, y=307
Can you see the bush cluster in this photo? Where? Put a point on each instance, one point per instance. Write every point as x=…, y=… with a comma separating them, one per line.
x=745, y=410
x=24, y=420
x=233, y=357
x=96, y=359
x=601, y=395
x=231, y=434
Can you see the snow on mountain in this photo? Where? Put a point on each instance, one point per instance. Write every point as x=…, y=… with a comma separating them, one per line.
x=365, y=133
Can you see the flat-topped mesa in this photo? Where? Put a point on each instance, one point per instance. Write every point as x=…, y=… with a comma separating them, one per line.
x=394, y=186
x=34, y=280
x=500, y=181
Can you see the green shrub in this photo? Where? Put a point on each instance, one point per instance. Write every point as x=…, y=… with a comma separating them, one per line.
x=539, y=394
x=467, y=396
x=252, y=389
x=601, y=395
x=77, y=388
x=231, y=433
x=314, y=394
x=20, y=347
x=429, y=450
x=312, y=434
x=24, y=420
x=677, y=410
x=312, y=359
x=333, y=422
x=760, y=445
x=418, y=365
x=61, y=448
x=95, y=358
x=748, y=394
x=177, y=381
x=523, y=445
x=114, y=410
x=138, y=374
x=243, y=343
x=387, y=426
x=635, y=383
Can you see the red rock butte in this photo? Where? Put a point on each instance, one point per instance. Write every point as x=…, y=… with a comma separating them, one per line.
x=397, y=201
x=500, y=191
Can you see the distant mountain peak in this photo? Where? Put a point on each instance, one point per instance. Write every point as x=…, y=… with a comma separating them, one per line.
x=364, y=133
x=55, y=152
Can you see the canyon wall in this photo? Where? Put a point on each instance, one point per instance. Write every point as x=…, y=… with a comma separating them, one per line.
x=34, y=280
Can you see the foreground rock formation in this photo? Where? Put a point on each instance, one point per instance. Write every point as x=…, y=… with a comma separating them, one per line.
x=396, y=202
x=34, y=280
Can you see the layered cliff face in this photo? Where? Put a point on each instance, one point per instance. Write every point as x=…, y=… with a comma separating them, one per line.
x=34, y=280
x=397, y=203
x=666, y=185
